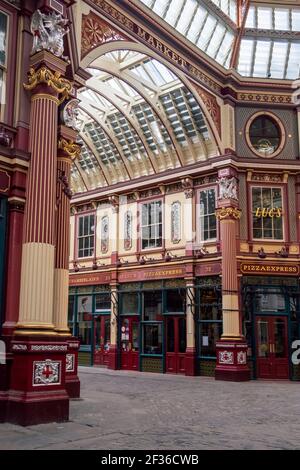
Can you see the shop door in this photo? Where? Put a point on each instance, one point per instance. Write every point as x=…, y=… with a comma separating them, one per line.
x=129, y=343
x=101, y=339
x=272, y=347
x=175, y=344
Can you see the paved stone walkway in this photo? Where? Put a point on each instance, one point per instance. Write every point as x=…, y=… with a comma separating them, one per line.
x=129, y=410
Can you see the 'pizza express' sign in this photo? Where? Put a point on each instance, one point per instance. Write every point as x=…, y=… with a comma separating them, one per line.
x=253, y=268
x=267, y=212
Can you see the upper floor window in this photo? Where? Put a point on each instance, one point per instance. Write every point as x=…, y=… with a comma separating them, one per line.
x=86, y=235
x=267, y=213
x=207, y=222
x=151, y=225
x=3, y=53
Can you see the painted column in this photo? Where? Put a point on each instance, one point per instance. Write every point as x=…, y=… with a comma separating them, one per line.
x=190, y=355
x=37, y=272
x=68, y=150
x=37, y=390
x=113, y=349
x=232, y=349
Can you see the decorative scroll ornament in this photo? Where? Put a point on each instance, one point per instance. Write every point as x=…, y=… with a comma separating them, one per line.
x=72, y=149
x=176, y=222
x=227, y=212
x=69, y=114
x=48, y=32
x=104, y=234
x=227, y=188
x=127, y=230
x=60, y=85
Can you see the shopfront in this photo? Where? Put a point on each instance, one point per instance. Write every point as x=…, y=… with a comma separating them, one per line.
x=271, y=322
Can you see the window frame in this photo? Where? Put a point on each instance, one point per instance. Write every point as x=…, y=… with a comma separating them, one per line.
x=198, y=216
x=282, y=130
x=84, y=214
x=284, y=212
x=140, y=228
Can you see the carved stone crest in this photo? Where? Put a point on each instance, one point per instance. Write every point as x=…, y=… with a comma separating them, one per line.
x=48, y=32
x=227, y=188
x=69, y=114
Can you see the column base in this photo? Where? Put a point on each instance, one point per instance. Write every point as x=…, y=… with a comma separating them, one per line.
x=232, y=360
x=37, y=392
x=113, y=357
x=37, y=408
x=190, y=361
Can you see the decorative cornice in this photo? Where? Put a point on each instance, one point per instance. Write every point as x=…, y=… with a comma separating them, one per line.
x=43, y=75
x=274, y=98
x=228, y=212
x=69, y=147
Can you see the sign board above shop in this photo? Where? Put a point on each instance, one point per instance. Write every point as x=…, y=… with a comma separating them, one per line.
x=270, y=269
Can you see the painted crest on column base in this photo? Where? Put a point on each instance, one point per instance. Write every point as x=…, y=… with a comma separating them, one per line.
x=232, y=361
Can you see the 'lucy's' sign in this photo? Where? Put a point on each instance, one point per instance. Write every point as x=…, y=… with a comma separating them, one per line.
x=265, y=212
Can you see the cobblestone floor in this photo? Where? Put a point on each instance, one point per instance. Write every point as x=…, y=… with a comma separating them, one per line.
x=129, y=410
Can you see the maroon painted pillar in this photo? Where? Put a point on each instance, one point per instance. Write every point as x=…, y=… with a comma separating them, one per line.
x=232, y=348
x=113, y=349
x=37, y=386
x=190, y=354
x=68, y=150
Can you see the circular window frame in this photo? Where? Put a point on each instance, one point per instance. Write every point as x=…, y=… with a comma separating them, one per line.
x=281, y=129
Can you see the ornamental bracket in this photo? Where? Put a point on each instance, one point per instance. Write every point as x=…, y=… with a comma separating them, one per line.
x=43, y=75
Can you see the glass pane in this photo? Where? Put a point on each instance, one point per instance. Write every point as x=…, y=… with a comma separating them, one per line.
x=152, y=305
x=102, y=302
x=174, y=301
x=152, y=339
x=71, y=308
x=135, y=336
x=182, y=335
x=130, y=303
x=170, y=335
x=210, y=333
x=270, y=302
x=280, y=338
x=85, y=332
x=84, y=307
x=263, y=339
x=125, y=335
x=106, y=334
x=210, y=304
x=3, y=33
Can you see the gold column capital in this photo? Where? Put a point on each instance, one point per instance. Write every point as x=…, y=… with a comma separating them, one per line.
x=228, y=213
x=69, y=147
x=54, y=80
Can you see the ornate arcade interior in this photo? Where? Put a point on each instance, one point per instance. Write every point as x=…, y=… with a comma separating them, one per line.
x=149, y=180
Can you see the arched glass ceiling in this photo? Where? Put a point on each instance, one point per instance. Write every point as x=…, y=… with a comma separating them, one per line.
x=270, y=44
x=136, y=118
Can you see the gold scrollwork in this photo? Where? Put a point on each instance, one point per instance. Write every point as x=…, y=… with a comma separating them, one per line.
x=70, y=148
x=60, y=85
x=227, y=212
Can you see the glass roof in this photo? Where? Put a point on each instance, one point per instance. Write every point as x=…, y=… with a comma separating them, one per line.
x=136, y=118
x=270, y=44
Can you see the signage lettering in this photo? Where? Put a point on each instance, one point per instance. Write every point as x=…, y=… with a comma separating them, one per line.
x=265, y=212
x=269, y=269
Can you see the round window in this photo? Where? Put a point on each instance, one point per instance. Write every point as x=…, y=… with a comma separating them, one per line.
x=265, y=134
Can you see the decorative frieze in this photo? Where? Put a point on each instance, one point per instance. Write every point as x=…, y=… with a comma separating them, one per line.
x=205, y=180
x=274, y=98
x=149, y=193
x=96, y=31
x=70, y=362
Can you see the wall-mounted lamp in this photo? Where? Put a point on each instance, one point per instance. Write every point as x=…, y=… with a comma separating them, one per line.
x=284, y=252
x=77, y=266
x=261, y=253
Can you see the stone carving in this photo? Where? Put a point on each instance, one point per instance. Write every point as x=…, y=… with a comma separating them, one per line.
x=69, y=114
x=128, y=230
x=227, y=188
x=70, y=362
x=46, y=372
x=226, y=357
x=241, y=357
x=104, y=234
x=48, y=32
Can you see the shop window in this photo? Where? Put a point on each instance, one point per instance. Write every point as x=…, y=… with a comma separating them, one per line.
x=270, y=301
x=151, y=225
x=85, y=334
x=207, y=217
x=86, y=235
x=129, y=302
x=3, y=56
x=71, y=313
x=102, y=302
x=209, y=319
x=152, y=306
x=152, y=338
x=267, y=213
x=84, y=307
